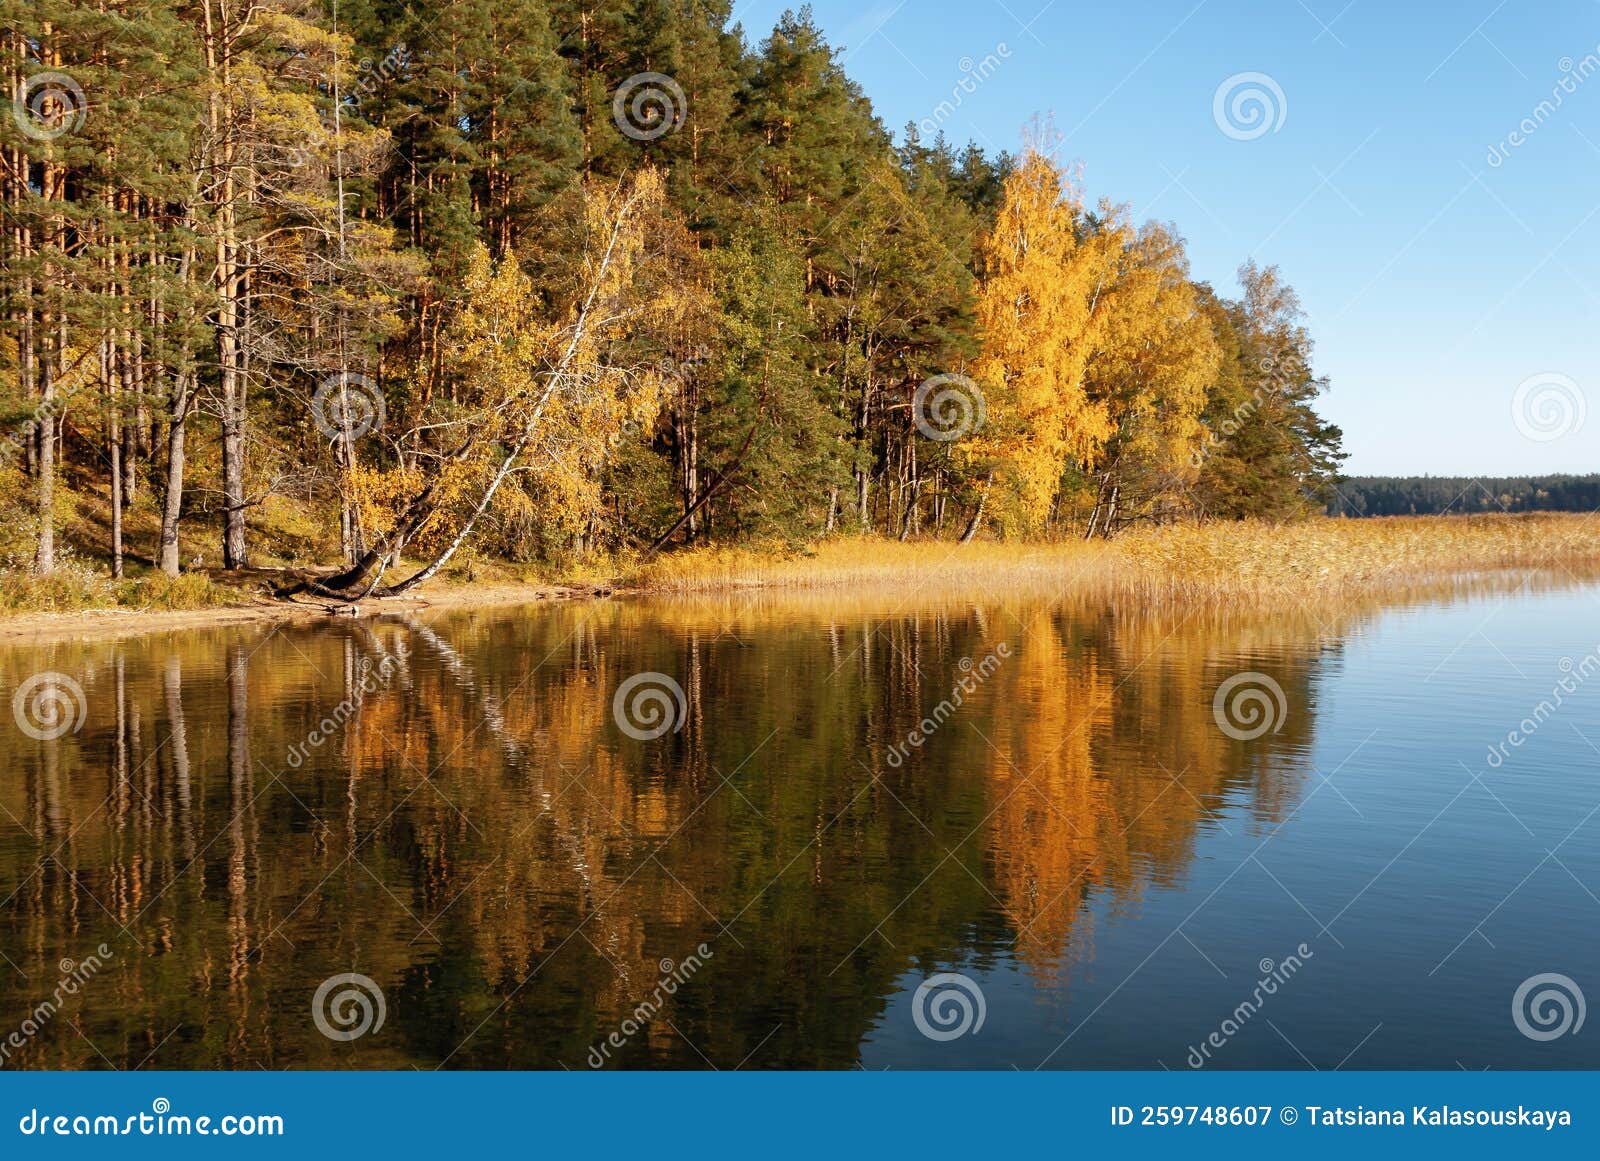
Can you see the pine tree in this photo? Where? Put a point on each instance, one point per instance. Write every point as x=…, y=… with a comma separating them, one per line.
x=768, y=448
x=1266, y=453
x=519, y=116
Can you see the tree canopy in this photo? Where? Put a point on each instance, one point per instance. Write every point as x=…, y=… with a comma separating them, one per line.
x=356, y=284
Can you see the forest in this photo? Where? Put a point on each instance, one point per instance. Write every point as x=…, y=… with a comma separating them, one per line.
x=1445, y=495
x=366, y=289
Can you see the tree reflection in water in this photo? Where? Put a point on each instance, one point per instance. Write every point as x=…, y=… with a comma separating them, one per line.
x=478, y=836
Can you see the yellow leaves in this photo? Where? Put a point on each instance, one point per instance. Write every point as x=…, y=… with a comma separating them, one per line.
x=1157, y=358
x=378, y=494
x=499, y=340
x=1039, y=310
x=553, y=388
x=1093, y=341
x=619, y=219
x=373, y=493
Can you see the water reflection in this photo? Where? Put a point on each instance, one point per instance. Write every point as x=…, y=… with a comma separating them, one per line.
x=447, y=806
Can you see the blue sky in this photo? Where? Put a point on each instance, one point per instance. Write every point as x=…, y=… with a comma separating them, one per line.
x=1435, y=283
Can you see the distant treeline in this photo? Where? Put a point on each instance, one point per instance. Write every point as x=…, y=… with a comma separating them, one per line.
x=1435, y=495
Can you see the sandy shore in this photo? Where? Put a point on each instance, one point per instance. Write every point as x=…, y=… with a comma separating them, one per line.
x=102, y=623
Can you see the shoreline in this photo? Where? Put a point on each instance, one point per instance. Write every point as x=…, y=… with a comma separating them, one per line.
x=1248, y=565
x=100, y=624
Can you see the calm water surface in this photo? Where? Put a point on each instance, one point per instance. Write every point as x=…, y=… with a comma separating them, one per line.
x=457, y=807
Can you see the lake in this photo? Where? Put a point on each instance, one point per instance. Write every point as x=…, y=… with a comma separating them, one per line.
x=907, y=830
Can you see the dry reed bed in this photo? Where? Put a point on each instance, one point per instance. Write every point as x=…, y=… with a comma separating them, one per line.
x=1185, y=563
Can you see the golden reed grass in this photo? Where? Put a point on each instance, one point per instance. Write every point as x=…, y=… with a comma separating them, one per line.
x=1182, y=563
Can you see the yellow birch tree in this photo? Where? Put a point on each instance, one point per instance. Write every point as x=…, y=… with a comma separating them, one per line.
x=1151, y=372
x=1040, y=309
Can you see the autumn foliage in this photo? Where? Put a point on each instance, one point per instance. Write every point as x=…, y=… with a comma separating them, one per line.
x=367, y=295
